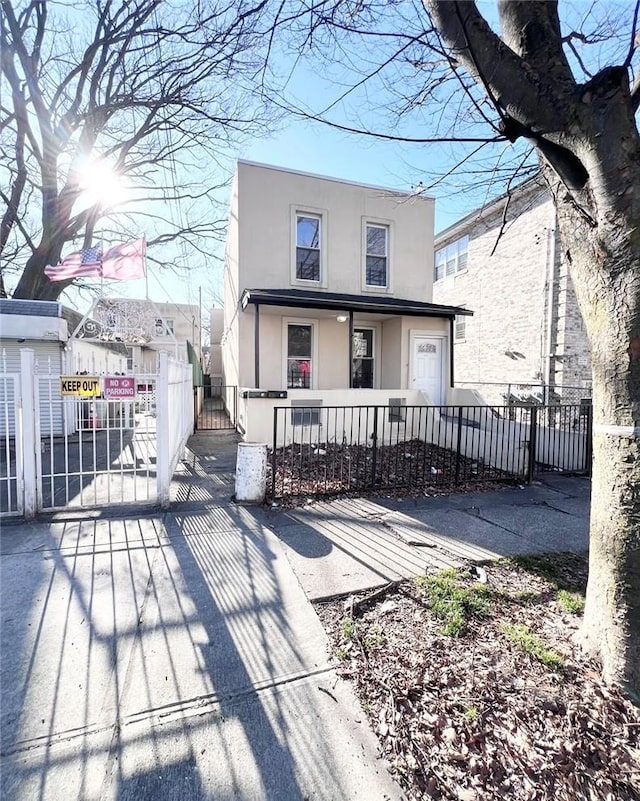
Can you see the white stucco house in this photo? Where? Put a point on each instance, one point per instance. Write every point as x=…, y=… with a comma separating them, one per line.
x=328, y=297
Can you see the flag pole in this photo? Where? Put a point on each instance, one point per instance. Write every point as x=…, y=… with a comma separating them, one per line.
x=146, y=272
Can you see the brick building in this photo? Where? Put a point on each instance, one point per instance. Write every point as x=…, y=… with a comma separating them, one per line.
x=527, y=337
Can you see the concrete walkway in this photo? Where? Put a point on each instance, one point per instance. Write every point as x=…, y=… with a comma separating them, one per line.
x=349, y=545
x=176, y=656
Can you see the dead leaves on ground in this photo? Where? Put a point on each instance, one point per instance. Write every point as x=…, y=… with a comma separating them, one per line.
x=478, y=717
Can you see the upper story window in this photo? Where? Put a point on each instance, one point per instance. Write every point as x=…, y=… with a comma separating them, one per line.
x=308, y=239
x=164, y=328
x=452, y=259
x=377, y=255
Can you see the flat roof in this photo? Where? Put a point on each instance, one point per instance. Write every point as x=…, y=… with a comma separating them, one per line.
x=334, y=301
x=403, y=192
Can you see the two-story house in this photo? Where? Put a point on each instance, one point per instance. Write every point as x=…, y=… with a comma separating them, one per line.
x=328, y=296
x=526, y=337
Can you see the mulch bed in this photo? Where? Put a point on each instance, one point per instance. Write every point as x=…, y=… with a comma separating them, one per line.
x=308, y=469
x=479, y=716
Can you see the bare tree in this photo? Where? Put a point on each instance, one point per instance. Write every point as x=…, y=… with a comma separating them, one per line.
x=588, y=146
x=158, y=92
x=532, y=85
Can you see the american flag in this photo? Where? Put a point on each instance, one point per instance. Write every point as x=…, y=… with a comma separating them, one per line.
x=86, y=263
x=125, y=262
x=120, y=263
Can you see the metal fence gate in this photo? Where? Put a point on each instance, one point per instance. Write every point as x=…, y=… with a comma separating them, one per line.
x=64, y=452
x=218, y=409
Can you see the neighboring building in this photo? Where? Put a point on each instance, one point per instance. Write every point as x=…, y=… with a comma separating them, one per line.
x=172, y=327
x=505, y=262
x=328, y=292
x=145, y=328
x=46, y=328
x=215, y=352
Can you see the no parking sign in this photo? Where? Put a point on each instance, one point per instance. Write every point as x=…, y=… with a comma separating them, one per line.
x=119, y=387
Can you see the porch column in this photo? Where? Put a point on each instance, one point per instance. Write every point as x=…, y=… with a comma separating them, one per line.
x=350, y=349
x=256, y=347
x=451, y=341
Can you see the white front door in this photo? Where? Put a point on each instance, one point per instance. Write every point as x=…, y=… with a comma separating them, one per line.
x=428, y=367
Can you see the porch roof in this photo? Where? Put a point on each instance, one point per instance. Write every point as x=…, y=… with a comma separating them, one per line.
x=335, y=301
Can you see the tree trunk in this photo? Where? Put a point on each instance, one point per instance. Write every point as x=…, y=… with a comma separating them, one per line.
x=34, y=284
x=589, y=149
x=604, y=261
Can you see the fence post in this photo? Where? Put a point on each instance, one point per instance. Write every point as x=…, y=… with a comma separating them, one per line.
x=458, y=445
x=589, y=442
x=274, y=458
x=162, y=426
x=195, y=409
x=533, y=441
x=374, y=438
x=28, y=383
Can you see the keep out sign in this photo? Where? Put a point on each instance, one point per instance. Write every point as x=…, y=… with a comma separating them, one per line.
x=80, y=386
x=119, y=387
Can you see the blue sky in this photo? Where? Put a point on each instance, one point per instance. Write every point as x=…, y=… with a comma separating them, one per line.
x=312, y=147
x=316, y=148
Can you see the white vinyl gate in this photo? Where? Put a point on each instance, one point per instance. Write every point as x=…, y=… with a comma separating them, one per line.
x=67, y=453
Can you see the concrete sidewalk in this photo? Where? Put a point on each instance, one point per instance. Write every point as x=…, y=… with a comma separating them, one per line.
x=350, y=545
x=176, y=656
x=171, y=656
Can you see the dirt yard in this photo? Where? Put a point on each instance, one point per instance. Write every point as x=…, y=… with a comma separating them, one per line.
x=477, y=689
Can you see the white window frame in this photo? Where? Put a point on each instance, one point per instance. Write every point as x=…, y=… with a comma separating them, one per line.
x=455, y=253
x=286, y=322
x=377, y=222
x=167, y=325
x=321, y=214
x=374, y=355
x=460, y=323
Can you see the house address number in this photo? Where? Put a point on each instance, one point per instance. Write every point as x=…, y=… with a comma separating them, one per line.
x=426, y=347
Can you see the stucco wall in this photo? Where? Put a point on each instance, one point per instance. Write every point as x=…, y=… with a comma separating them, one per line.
x=268, y=199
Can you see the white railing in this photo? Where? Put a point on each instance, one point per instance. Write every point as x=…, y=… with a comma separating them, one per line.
x=11, y=469
x=60, y=452
x=175, y=419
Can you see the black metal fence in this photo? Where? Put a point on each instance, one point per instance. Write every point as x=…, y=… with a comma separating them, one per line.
x=326, y=450
x=219, y=409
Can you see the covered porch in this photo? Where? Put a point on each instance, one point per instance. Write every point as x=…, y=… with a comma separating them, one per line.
x=313, y=348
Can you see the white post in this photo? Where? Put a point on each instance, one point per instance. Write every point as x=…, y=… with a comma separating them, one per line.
x=162, y=430
x=28, y=425
x=251, y=472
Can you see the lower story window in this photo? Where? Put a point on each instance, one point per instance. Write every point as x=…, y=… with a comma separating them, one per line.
x=363, y=358
x=299, y=359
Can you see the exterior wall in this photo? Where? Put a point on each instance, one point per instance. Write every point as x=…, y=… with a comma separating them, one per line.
x=92, y=358
x=255, y=415
x=230, y=339
x=186, y=326
x=215, y=353
x=526, y=328
x=267, y=199
x=392, y=349
x=18, y=326
x=390, y=364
